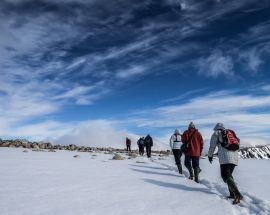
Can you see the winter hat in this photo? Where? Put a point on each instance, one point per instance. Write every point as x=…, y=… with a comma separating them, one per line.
x=176, y=131
x=191, y=125
x=219, y=126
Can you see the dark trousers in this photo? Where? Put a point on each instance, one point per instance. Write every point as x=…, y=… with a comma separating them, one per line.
x=141, y=149
x=192, y=159
x=226, y=171
x=148, y=151
x=177, y=153
x=128, y=148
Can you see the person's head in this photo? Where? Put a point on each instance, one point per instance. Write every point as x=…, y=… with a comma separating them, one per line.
x=191, y=125
x=176, y=131
x=219, y=126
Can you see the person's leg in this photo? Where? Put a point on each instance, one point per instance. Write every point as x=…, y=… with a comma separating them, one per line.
x=226, y=174
x=141, y=149
x=177, y=158
x=147, y=151
x=188, y=166
x=150, y=151
x=196, y=167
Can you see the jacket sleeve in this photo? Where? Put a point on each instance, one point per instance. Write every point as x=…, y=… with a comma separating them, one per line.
x=213, y=144
x=171, y=142
x=201, y=144
x=184, y=137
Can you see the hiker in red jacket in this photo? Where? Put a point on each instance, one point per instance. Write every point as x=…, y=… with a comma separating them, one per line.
x=193, y=138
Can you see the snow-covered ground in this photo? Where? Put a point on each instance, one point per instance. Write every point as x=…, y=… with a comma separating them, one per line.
x=55, y=183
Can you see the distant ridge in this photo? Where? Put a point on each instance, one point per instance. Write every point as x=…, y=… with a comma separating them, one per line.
x=257, y=152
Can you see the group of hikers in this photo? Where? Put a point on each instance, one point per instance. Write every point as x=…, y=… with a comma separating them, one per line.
x=146, y=142
x=190, y=143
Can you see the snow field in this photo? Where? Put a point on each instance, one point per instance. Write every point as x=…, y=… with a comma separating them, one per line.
x=55, y=183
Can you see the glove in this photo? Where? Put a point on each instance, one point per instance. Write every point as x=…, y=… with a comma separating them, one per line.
x=210, y=159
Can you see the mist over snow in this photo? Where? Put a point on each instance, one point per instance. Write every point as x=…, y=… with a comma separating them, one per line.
x=101, y=133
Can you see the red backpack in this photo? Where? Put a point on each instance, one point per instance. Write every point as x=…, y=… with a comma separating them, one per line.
x=230, y=140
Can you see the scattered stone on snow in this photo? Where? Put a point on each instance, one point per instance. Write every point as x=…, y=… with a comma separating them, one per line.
x=118, y=157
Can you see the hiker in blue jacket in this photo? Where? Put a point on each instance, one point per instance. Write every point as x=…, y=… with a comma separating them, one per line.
x=140, y=143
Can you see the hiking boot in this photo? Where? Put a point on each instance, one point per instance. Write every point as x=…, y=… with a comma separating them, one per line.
x=179, y=166
x=196, y=173
x=191, y=175
x=234, y=190
x=236, y=200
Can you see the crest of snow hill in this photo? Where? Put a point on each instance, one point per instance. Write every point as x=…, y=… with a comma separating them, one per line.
x=257, y=152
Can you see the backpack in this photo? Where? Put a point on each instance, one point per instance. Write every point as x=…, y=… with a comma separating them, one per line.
x=230, y=140
x=176, y=139
x=147, y=141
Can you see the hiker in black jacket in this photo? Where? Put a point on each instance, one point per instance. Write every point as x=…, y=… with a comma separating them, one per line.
x=148, y=142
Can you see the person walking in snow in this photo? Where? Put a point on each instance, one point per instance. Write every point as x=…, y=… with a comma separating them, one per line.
x=192, y=138
x=128, y=144
x=148, y=142
x=140, y=143
x=228, y=160
x=175, y=144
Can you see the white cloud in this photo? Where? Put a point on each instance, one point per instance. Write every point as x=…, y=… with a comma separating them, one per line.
x=135, y=70
x=236, y=111
x=216, y=64
x=252, y=59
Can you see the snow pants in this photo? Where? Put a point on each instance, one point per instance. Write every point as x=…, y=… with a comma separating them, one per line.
x=177, y=153
x=128, y=148
x=148, y=151
x=141, y=149
x=195, y=160
x=226, y=171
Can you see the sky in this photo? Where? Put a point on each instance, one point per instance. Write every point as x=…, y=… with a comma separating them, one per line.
x=93, y=71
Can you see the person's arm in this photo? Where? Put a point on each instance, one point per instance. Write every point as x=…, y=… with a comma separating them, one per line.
x=171, y=142
x=213, y=144
x=184, y=137
x=201, y=144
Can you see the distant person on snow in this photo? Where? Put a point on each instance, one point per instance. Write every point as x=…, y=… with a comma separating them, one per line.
x=192, y=138
x=175, y=143
x=148, y=142
x=128, y=144
x=140, y=143
x=228, y=158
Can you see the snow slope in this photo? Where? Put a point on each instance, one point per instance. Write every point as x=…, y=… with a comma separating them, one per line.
x=55, y=183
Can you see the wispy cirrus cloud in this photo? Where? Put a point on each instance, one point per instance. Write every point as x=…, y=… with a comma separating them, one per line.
x=216, y=64
x=237, y=110
x=74, y=52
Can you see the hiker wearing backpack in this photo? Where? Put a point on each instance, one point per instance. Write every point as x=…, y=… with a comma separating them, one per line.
x=175, y=144
x=148, y=142
x=228, y=145
x=140, y=143
x=128, y=144
x=192, y=147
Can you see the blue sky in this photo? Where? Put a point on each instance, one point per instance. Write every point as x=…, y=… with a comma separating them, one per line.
x=72, y=70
